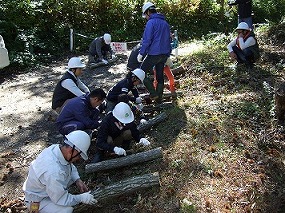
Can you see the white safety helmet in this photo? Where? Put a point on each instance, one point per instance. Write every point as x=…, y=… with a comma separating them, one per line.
x=139, y=73
x=147, y=6
x=107, y=38
x=75, y=62
x=81, y=141
x=123, y=113
x=243, y=26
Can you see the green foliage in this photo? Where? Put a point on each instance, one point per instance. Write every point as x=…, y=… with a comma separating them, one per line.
x=42, y=27
x=268, y=10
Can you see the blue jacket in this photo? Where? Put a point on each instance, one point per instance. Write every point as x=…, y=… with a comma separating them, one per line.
x=122, y=87
x=156, y=36
x=79, y=109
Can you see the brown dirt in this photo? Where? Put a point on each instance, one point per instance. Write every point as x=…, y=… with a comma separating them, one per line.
x=243, y=173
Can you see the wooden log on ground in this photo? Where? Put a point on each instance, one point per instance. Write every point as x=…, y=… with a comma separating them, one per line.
x=178, y=71
x=165, y=95
x=151, y=122
x=124, y=161
x=158, y=107
x=122, y=188
x=99, y=64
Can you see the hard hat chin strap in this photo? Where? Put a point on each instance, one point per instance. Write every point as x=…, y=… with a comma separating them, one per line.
x=73, y=148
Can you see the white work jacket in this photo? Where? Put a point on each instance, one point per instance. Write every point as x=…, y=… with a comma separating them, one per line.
x=49, y=176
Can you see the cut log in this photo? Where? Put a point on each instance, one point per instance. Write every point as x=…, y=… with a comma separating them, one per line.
x=165, y=95
x=178, y=71
x=124, y=161
x=158, y=107
x=151, y=122
x=99, y=64
x=122, y=188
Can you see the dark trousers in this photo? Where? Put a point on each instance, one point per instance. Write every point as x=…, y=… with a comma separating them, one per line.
x=155, y=61
x=244, y=56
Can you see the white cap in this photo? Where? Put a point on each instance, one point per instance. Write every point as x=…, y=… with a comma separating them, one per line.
x=107, y=38
x=75, y=62
x=123, y=113
x=146, y=6
x=243, y=26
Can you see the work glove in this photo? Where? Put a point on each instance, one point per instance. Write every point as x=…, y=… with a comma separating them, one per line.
x=143, y=121
x=144, y=142
x=140, y=58
x=104, y=61
x=120, y=151
x=87, y=198
x=140, y=107
x=113, y=56
x=138, y=100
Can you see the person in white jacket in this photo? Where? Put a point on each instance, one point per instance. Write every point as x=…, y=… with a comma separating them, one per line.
x=70, y=85
x=52, y=172
x=244, y=48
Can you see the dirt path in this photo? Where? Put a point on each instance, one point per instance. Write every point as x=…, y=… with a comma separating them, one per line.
x=25, y=124
x=26, y=127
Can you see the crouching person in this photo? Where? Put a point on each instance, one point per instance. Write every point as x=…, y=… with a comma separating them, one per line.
x=52, y=172
x=116, y=132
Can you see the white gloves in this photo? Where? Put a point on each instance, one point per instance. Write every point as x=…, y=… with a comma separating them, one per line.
x=143, y=121
x=113, y=56
x=140, y=58
x=138, y=100
x=104, y=61
x=140, y=107
x=144, y=142
x=87, y=198
x=120, y=151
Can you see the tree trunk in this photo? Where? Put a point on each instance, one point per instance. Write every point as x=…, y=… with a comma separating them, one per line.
x=124, y=161
x=123, y=187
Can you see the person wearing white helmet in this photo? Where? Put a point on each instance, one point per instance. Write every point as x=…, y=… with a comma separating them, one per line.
x=244, y=49
x=155, y=49
x=116, y=132
x=125, y=86
x=53, y=171
x=100, y=48
x=133, y=63
x=70, y=85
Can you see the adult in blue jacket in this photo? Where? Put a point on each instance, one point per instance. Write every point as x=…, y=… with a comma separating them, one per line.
x=81, y=113
x=155, y=50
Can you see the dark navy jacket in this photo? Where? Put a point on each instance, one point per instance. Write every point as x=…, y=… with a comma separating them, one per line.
x=122, y=87
x=156, y=37
x=79, y=109
x=60, y=94
x=109, y=128
x=244, y=8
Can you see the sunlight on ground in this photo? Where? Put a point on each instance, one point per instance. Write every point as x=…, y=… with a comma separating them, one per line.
x=190, y=48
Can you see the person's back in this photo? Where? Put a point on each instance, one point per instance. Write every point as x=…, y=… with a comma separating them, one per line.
x=156, y=48
x=99, y=48
x=132, y=60
x=81, y=113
